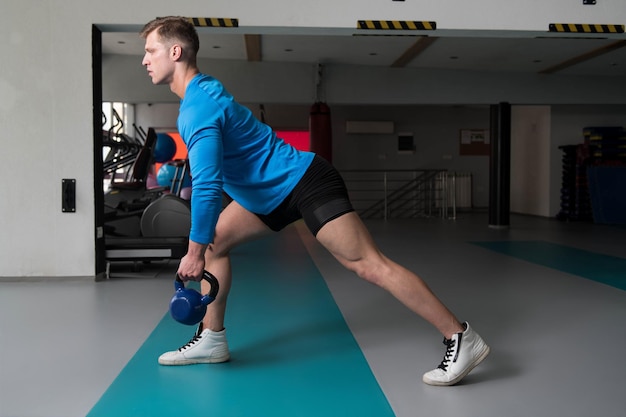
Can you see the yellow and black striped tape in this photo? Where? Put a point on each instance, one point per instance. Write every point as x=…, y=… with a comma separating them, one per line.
x=585, y=28
x=396, y=25
x=218, y=22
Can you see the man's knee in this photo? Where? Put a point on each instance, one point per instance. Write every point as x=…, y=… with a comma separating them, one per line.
x=372, y=270
x=216, y=251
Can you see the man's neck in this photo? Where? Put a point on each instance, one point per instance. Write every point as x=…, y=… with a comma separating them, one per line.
x=181, y=81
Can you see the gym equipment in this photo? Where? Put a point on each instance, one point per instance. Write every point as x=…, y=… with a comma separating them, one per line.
x=126, y=200
x=119, y=149
x=137, y=174
x=188, y=306
x=165, y=148
x=170, y=175
x=167, y=216
x=151, y=181
x=144, y=248
x=185, y=193
x=144, y=225
x=321, y=131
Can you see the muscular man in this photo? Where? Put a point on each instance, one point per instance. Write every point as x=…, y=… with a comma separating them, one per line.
x=272, y=185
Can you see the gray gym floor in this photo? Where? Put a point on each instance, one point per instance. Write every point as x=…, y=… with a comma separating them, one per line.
x=557, y=332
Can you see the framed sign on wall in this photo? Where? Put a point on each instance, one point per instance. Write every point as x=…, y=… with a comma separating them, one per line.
x=474, y=142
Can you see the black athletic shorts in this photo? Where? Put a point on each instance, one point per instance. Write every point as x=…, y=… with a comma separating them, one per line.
x=319, y=197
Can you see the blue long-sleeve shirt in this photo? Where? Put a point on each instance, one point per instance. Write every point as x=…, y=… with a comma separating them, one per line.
x=230, y=150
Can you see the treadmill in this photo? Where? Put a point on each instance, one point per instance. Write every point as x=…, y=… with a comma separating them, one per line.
x=165, y=220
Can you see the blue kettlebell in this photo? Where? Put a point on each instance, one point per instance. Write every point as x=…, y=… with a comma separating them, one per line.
x=188, y=306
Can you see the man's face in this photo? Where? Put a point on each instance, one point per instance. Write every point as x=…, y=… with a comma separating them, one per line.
x=157, y=60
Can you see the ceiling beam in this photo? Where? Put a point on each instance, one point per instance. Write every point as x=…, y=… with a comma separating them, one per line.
x=253, y=47
x=584, y=57
x=413, y=51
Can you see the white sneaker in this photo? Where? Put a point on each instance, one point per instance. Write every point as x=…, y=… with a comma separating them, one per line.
x=205, y=347
x=465, y=351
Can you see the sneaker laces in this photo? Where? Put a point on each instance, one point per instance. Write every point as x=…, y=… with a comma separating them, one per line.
x=193, y=340
x=449, y=352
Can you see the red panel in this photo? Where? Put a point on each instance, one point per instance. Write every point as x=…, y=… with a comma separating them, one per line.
x=299, y=139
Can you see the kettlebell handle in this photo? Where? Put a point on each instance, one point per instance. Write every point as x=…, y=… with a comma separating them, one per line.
x=215, y=286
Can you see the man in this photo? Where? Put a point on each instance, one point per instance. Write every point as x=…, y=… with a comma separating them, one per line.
x=272, y=185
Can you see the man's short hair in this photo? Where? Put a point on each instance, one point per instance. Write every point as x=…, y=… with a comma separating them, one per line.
x=174, y=29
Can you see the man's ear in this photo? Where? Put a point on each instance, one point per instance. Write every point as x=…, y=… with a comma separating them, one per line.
x=176, y=52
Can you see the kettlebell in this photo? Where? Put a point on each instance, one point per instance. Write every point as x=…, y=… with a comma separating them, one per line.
x=188, y=306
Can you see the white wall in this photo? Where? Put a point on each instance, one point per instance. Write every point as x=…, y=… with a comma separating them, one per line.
x=46, y=121
x=530, y=160
x=46, y=94
x=281, y=15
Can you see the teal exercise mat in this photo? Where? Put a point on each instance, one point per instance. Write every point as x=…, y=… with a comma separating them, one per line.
x=292, y=352
x=606, y=269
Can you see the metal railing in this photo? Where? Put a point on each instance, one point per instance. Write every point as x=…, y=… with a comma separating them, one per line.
x=390, y=194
